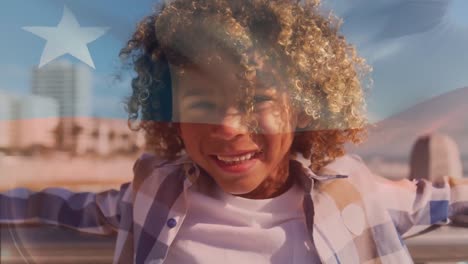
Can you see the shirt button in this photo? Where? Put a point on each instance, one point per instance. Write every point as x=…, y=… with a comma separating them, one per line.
x=171, y=222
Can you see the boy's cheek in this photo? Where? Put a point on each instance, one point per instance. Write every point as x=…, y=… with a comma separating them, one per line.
x=276, y=123
x=193, y=130
x=277, y=119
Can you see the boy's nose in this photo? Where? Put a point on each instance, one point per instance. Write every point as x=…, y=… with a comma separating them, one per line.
x=230, y=125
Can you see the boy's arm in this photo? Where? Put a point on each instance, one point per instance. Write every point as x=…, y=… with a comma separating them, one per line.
x=459, y=200
x=422, y=203
x=98, y=213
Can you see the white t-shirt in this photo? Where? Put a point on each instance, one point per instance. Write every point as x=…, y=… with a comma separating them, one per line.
x=223, y=228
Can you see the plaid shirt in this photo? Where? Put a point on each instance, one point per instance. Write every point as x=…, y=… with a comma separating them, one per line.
x=357, y=218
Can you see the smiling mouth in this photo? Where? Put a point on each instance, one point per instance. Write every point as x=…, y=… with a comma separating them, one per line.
x=237, y=165
x=231, y=160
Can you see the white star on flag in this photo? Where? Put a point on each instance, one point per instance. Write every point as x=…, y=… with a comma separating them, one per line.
x=67, y=38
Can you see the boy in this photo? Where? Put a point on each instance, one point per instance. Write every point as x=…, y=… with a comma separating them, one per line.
x=231, y=93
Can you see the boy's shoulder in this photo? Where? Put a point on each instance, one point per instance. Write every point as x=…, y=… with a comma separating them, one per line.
x=358, y=174
x=351, y=165
x=151, y=168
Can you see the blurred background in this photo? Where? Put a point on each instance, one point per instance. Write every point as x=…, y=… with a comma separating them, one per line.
x=63, y=123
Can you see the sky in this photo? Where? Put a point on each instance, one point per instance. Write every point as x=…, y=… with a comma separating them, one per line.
x=417, y=48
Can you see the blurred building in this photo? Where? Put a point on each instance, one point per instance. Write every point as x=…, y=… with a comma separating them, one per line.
x=69, y=84
x=106, y=136
x=6, y=117
x=27, y=121
x=36, y=119
x=57, y=114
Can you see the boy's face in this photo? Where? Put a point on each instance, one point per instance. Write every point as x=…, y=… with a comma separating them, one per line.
x=217, y=139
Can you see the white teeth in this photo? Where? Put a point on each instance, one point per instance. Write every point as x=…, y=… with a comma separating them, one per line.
x=237, y=158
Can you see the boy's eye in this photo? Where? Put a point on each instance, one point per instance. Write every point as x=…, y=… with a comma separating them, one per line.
x=262, y=102
x=202, y=105
x=262, y=98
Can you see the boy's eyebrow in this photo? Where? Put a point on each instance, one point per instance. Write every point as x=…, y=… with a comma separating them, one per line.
x=193, y=92
x=204, y=92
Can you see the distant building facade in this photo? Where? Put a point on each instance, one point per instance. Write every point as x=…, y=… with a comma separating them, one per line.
x=70, y=85
x=57, y=115
x=106, y=136
x=6, y=115
x=37, y=117
x=27, y=121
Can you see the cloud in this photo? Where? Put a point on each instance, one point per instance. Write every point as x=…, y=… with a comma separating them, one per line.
x=382, y=50
x=412, y=17
x=415, y=48
x=376, y=20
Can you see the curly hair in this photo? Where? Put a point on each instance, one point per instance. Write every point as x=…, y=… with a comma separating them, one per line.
x=308, y=56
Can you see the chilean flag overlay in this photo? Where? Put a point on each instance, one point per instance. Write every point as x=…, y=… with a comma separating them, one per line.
x=59, y=61
x=62, y=117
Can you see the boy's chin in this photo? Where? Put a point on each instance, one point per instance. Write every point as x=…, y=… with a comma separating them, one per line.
x=239, y=190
